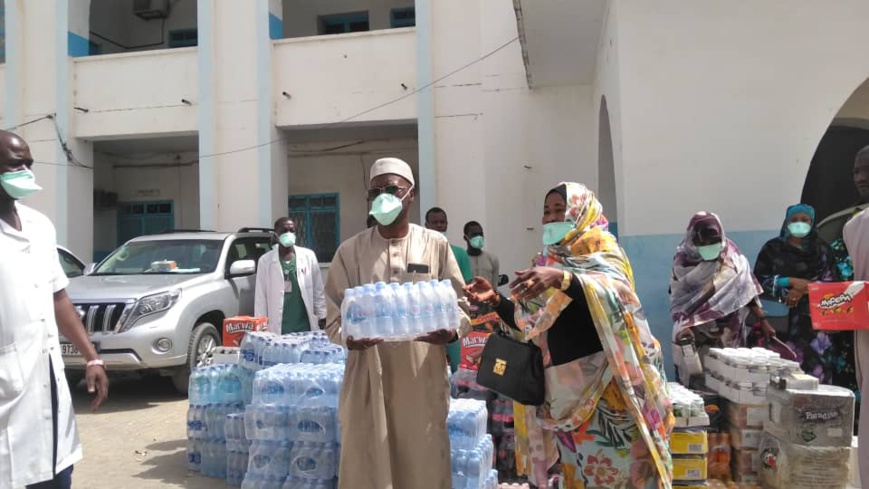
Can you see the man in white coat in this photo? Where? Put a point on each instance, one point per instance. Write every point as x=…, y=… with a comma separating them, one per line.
x=38, y=438
x=289, y=286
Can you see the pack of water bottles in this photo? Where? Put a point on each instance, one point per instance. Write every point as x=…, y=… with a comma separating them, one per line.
x=215, y=392
x=263, y=349
x=292, y=423
x=399, y=312
x=237, y=449
x=472, y=450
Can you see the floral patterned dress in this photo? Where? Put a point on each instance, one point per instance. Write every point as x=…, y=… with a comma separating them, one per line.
x=607, y=414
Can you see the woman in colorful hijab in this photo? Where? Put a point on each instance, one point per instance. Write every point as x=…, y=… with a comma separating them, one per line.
x=785, y=266
x=712, y=289
x=607, y=401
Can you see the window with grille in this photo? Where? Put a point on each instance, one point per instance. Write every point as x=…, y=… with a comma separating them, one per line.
x=402, y=17
x=142, y=218
x=318, y=226
x=344, y=23
x=183, y=38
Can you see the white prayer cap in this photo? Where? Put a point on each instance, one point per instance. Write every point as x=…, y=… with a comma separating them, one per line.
x=391, y=166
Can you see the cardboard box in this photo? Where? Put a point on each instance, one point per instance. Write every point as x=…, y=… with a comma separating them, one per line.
x=234, y=328
x=746, y=415
x=839, y=306
x=689, y=468
x=689, y=442
x=744, y=438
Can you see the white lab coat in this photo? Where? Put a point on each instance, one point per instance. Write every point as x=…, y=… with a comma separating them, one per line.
x=270, y=288
x=30, y=274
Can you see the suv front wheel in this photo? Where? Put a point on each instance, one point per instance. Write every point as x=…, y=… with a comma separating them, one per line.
x=203, y=340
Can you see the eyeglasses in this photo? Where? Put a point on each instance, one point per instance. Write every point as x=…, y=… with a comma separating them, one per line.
x=389, y=189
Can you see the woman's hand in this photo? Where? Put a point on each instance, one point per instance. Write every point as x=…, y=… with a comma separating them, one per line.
x=480, y=290
x=532, y=282
x=801, y=285
x=767, y=328
x=793, y=298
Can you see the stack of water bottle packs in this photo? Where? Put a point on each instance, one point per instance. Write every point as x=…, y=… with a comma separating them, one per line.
x=472, y=451
x=399, y=312
x=215, y=392
x=261, y=350
x=293, y=427
x=249, y=422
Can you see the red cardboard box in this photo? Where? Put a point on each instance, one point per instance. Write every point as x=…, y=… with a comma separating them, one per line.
x=234, y=328
x=472, y=345
x=839, y=306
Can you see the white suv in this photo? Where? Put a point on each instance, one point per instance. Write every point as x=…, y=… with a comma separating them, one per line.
x=158, y=302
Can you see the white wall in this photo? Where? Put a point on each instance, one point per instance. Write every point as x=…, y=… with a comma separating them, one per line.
x=499, y=145
x=345, y=172
x=137, y=178
x=737, y=92
x=301, y=16
x=115, y=20
x=333, y=78
x=857, y=105
x=135, y=94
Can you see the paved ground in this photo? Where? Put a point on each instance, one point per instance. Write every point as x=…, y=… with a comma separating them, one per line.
x=137, y=439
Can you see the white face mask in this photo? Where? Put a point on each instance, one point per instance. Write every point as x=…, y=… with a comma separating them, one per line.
x=387, y=207
x=287, y=240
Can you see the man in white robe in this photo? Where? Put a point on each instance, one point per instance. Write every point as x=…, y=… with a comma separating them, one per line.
x=394, y=401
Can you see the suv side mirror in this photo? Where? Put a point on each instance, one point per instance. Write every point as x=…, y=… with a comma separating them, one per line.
x=503, y=279
x=242, y=267
x=89, y=269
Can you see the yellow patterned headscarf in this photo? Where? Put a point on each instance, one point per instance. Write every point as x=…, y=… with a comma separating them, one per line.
x=634, y=359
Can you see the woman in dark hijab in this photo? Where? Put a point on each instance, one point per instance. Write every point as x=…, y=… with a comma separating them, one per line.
x=785, y=267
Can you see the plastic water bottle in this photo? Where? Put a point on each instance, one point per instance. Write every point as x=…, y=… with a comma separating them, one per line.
x=247, y=350
x=194, y=455
x=414, y=309
x=451, y=304
x=366, y=313
x=428, y=302
x=383, y=311
x=401, y=320
x=441, y=306
x=348, y=321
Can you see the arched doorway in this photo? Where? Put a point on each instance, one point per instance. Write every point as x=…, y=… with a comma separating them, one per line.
x=606, y=179
x=829, y=186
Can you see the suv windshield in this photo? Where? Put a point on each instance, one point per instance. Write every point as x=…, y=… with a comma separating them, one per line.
x=168, y=257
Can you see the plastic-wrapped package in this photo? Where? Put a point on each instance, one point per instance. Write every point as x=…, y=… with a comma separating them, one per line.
x=745, y=438
x=822, y=418
x=786, y=465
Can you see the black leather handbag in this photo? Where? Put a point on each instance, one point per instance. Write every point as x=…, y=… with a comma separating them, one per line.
x=513, y=369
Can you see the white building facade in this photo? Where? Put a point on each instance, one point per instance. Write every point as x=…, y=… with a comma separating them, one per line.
x=220, y=114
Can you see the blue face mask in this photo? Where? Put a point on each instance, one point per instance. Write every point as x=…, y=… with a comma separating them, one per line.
x=799, y=229
x=710, y=252
x=19, y=184
x=477, y=242
x=387, y=207
x=554, y=232
x=287, y=240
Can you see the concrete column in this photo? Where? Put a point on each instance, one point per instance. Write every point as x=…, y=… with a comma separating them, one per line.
x=426, y=183
x=38, y=86
x=236, y=117
x=456, y=117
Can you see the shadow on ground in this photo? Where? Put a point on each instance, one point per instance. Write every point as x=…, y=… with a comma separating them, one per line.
x=131, y=394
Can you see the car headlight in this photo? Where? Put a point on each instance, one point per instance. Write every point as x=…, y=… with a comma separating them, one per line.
x=146, y=306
